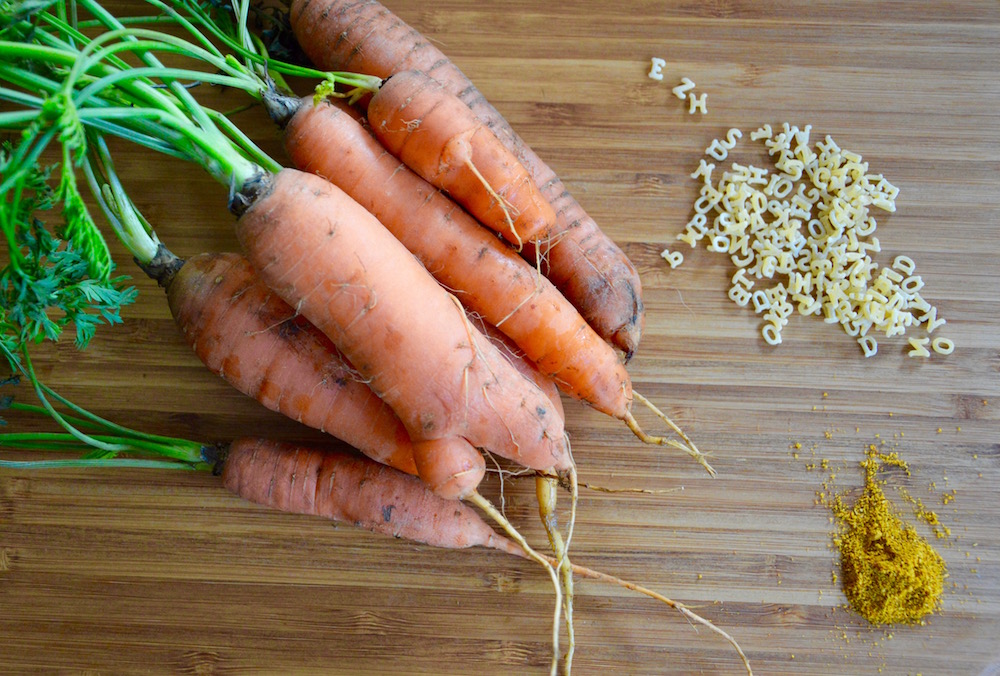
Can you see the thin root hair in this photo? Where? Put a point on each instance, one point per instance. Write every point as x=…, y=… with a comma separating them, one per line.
x=688, y=446
x=546, y=562
x=509, y=211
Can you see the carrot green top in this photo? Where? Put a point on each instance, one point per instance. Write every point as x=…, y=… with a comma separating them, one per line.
x=73, y=81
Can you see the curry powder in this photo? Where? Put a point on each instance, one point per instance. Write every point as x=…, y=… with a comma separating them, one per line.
x=890, y=574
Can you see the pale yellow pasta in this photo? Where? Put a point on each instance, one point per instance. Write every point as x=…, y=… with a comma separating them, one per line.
x=930, y=317
x=869, y=346
x=919, y=347
x=762, y=133
x=681, y=90
x=717, y=150
x=771, y=333
x=760, y=302
x=809, y=228
x=943, y=345
x=697, y=104
x=656, y=68
x=704, y=171
x=741, y=279
x=904, y=264
x=739, y=295
x=673, y=258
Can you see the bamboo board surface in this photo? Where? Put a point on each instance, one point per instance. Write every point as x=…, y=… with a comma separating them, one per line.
x=164, y=572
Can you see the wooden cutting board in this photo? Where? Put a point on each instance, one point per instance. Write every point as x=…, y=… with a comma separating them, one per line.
x=164, y=572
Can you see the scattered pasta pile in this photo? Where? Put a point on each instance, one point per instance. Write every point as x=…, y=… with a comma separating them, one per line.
x=802, y=239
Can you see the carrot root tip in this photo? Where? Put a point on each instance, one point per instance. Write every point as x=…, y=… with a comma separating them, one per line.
x=590, y=573
x=688, y=445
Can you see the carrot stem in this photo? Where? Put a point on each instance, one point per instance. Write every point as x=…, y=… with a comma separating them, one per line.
x=199, y=16
x=188, y=452
x=116, y=205
x=97, y=463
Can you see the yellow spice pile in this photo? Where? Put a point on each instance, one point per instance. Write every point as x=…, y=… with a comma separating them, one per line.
x=890, y=574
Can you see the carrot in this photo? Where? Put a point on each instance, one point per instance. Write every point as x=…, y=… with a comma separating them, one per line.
x=583, y=263
x=326, y=140
x=409, y=339
x=254, y=340
x=348, y=488
x=491, y=280
x=352, y=489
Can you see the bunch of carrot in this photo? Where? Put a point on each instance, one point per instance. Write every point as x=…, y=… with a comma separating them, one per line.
x=370, y=301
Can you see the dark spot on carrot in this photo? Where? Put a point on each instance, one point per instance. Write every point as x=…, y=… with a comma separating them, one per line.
x=231, y=366
x=289, y=328
x=540, y=411
x=427, y=422
x=392, y=340
x=268, y=390
x=253, y=190
x=387, y=512
x=301, y=402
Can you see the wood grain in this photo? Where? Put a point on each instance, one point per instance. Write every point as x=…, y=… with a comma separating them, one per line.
x=163, y=572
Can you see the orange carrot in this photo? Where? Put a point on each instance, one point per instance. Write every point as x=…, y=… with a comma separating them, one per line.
x=440, y=138
x=491, y=280
x=339, y=267
x=583, y=263
x=243, y=332
x=352, y=489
